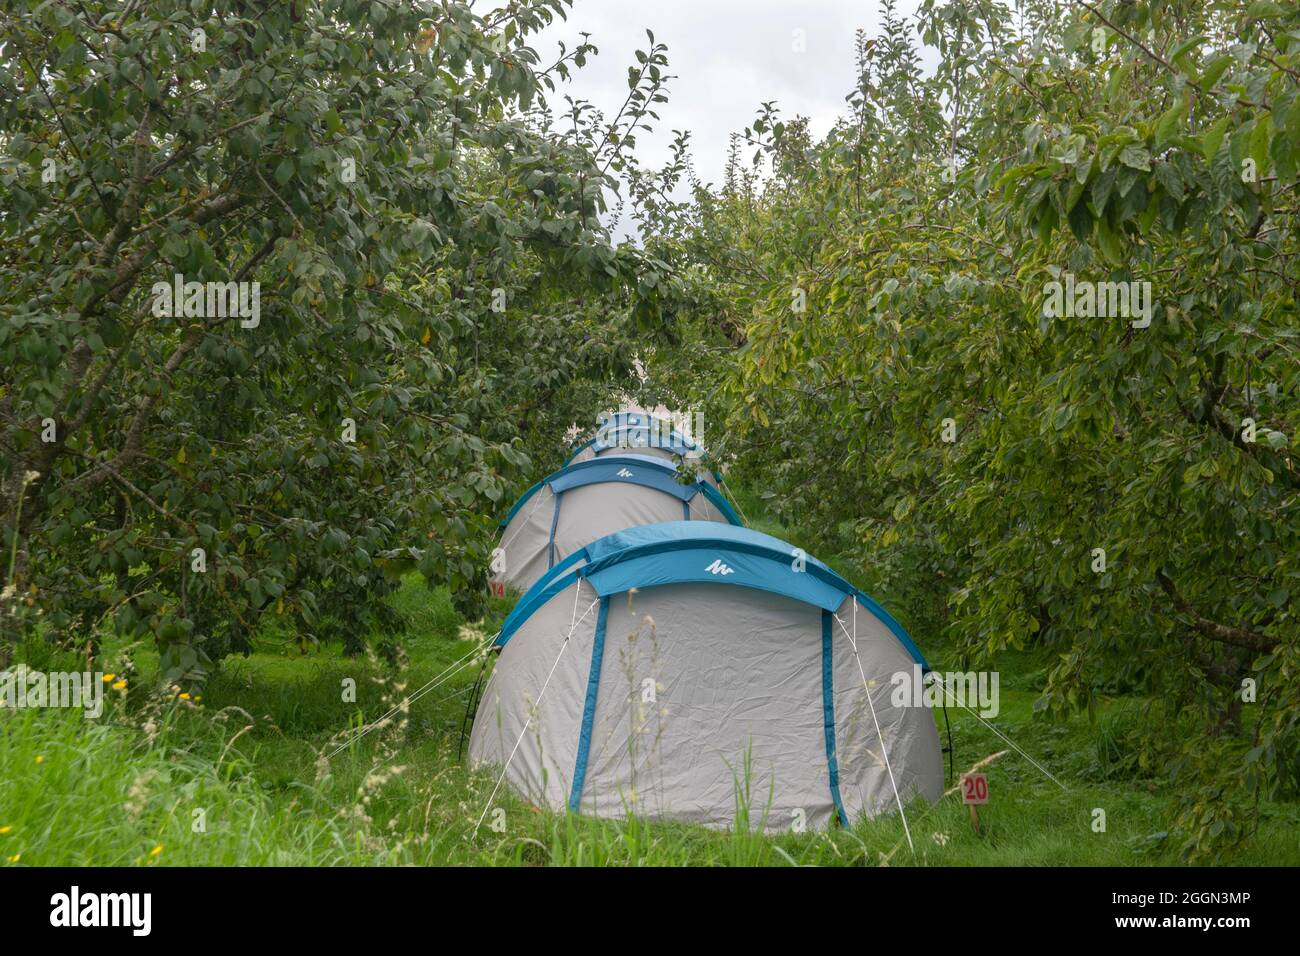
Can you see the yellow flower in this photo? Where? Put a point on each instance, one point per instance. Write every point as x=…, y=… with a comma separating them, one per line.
x=108, y=678
x=4, y=830
x=155, y=851
x=120, y=685
x=40, y=758
x=185, y=696
x=15, y=858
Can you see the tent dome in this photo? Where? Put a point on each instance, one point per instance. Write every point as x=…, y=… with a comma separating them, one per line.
x=590, y=499
x=705, y=672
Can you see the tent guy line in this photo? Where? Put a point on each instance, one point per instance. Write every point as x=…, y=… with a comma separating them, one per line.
x=434, y=682
x=1004, y=737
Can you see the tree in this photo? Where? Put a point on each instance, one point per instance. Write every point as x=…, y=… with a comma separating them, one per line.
x=398, y=280
x=1114, y=484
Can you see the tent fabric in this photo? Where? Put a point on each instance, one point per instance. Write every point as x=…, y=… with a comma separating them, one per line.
x=717, y=700
x=588, y=500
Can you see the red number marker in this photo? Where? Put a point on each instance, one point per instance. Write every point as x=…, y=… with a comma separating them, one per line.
x=974, y=788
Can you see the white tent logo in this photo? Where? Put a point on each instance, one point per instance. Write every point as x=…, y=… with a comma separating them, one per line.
x=717, y=567
x=623, y=473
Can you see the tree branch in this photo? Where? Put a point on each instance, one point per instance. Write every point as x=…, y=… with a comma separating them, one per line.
x=1223, y=633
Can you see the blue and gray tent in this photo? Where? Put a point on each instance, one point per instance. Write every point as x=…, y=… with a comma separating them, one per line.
x=639, y=433
x=666, y=668
x=590, y=499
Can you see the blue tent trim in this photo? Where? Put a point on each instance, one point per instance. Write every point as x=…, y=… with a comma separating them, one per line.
x=635, y=469
x=828, y=718
x=589, y=707
x=677, y=552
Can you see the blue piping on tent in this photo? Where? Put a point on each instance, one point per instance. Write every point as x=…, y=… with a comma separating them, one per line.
x=828, y=718
x=589, y=707
x=686, y=511
x=669, y=438
x=702, y=566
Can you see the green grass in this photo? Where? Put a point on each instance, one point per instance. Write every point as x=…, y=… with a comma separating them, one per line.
x=248, y=754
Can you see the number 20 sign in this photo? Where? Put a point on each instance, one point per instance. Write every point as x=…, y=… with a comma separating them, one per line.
x=974, y=788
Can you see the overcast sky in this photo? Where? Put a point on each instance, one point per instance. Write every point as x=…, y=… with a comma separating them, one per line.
x=728, y=56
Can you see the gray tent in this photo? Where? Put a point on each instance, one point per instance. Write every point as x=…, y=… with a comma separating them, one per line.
x=588, y=500
x=666, y=669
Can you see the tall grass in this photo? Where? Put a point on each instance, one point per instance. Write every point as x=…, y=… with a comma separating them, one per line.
x=251, y=755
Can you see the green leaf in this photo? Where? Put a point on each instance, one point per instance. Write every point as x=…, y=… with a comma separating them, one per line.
x=1260, y=141
x=1212, y=138
x=1213, y=71
x=1136, y=157
x=1184, y=48
x=1169, y=123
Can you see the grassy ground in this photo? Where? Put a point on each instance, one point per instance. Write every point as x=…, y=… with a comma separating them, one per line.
x=240, y=776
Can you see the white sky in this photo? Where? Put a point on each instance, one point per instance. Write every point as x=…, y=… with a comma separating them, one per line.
x=727, y=55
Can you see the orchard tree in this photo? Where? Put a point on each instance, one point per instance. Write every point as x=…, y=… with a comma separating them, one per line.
x=1111, y=482
x=289, y=295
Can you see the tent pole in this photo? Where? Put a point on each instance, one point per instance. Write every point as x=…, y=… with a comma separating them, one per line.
x=471, y=707
x=952, y=757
